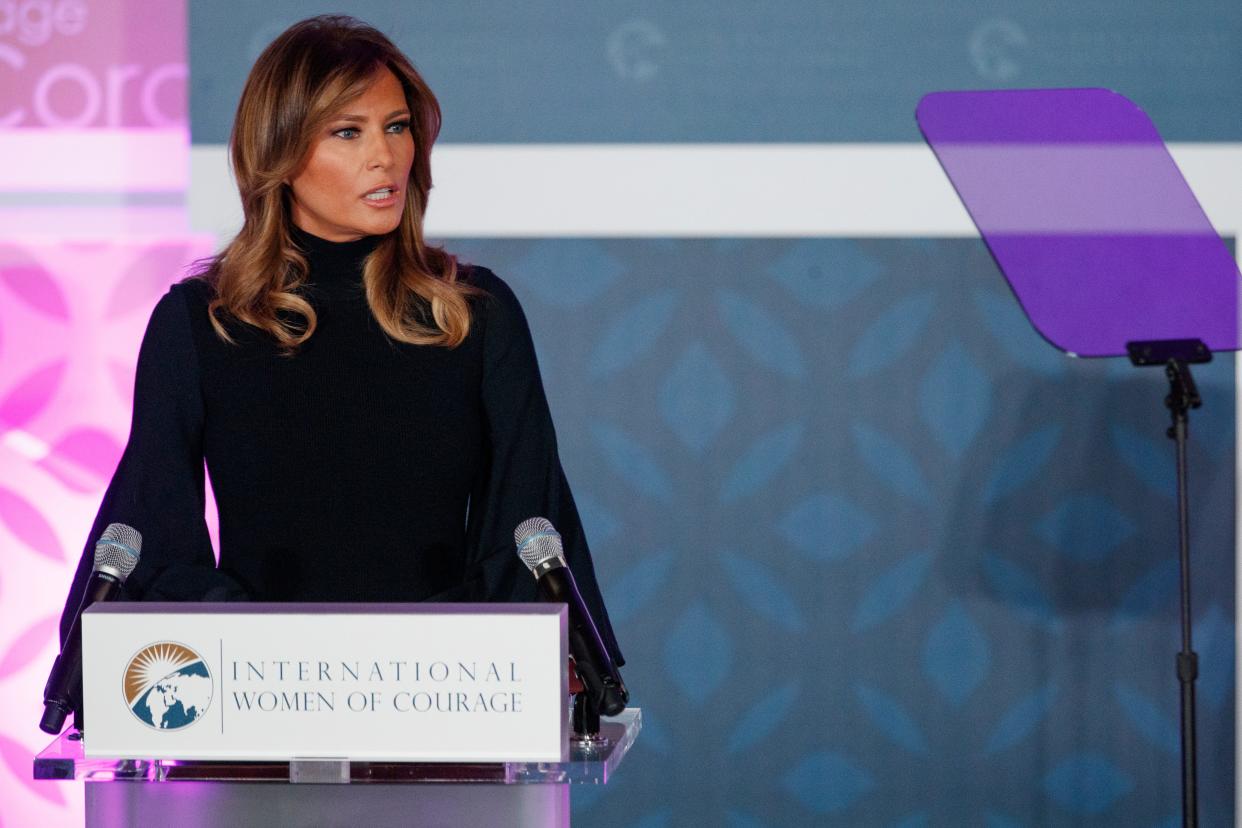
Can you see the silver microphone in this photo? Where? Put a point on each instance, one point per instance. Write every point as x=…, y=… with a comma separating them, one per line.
x=539, y=546
x=116, y=554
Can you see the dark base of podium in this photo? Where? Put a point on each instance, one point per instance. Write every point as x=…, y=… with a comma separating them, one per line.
x=262, y=805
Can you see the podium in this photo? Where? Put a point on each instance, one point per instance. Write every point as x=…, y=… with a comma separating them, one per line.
x=330, y=714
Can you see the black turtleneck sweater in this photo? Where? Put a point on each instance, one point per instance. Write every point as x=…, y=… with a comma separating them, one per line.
x=359, y=469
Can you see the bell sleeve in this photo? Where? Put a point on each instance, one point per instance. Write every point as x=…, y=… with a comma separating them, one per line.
x=523, y=477
x=158, y=485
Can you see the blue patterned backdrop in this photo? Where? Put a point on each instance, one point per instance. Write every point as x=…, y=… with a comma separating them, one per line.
x=877, y=554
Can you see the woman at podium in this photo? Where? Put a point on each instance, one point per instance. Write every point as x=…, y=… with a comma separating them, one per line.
x=369, y=409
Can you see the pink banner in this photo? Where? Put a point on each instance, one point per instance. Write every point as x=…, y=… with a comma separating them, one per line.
x=92, y=63
x=71, y=319
x=92, y=100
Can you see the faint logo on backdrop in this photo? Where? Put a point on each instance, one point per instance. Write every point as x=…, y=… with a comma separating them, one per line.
x=167, y=686
x=64, y=64
x=632, y=49
x=995, y=47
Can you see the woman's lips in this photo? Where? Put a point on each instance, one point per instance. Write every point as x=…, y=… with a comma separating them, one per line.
x=386, y=201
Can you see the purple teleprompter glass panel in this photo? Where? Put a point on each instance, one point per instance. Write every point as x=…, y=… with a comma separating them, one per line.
x=1087, y=216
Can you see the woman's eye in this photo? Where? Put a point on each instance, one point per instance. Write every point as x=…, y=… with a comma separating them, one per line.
x=399, y=127
x=353, y=132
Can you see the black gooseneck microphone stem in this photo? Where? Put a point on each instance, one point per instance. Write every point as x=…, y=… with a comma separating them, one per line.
x=602, y=681
x=62, y=694
x=586, y=717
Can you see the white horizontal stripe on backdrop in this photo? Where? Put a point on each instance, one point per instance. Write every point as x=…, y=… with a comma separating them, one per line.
x=700, y=190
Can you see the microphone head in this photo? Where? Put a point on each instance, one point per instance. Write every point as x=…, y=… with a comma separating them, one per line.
x=117, y=550
x=537, y=542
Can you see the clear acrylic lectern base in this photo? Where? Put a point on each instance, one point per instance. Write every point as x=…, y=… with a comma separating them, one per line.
x=263, y=805
x=197, y=794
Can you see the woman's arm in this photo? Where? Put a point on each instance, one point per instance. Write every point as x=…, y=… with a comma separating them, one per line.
x=524, y=477
x=158, y=485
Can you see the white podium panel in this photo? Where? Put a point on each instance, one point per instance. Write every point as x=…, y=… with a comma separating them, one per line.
x=376, y=682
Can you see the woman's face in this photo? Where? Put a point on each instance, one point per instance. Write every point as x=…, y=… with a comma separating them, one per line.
x=353, y=182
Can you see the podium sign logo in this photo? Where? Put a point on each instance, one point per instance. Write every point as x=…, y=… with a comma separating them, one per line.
x=168, y=686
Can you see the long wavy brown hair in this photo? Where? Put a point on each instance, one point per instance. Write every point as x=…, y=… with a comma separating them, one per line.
x=300, y=81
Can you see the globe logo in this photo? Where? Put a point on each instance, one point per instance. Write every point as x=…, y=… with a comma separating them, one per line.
x=167, y=686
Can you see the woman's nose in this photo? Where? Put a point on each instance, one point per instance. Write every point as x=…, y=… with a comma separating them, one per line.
x=379, y=154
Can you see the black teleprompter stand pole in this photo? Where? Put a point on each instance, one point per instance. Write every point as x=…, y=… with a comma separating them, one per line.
x=1177, y=355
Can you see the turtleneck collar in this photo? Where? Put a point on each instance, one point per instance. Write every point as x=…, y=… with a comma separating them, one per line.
x=326, y=256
